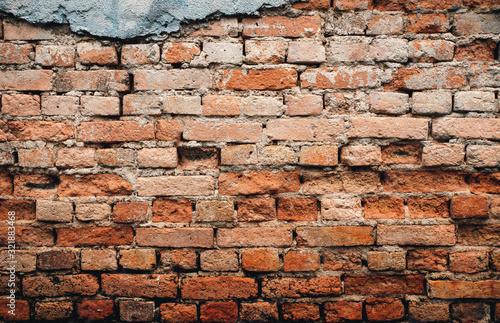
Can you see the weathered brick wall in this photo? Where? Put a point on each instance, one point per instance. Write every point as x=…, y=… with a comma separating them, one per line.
x=318, y=163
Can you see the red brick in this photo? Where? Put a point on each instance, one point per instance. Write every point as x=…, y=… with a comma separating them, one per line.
x=469, y=262
x=24, y=209
x=218, y=28
x=137, y=311
x=424, y=181
x=254, y=237
x=94, y=236
x=258, y=183
x=50, y=55
x=342, y=260
x=104, y=260
x=55, y=286
x=29, y=185
x=100, y=80
x=140, y=54
x=478, y=50
x=428, y=23
x=265, y=79
x=75, y=157
x=299, y=312
x=484, y=4
x=340, y=182
x=384, y=309
x=480, y=183
x=178, y=211
x=383, y=285
x=303, y=26
x=218, y=288
x=36, y=80
x=432, y=51
x=60, y=105
x=464, y=207
x=29, y=236
x=301, y=287
x=7, y=186
x=428, y=207
x=385, y=25
x=178, y=313
x=39, y=130
x=36, y=158
x=384, y=260
x=265, y=51
x=169, y=130
x=130, y=212
x=219, y=260
x=172, y=79
x=139, y=285
x=22, y=312
x=56, y=260
x=429, y=312
x=453, y=289
x=495, y=260
x=471, y=312
x=256, y=209
x=339, y=78
x=341, y=311
x=198, y=158
x=260, y=311
x=174, y=53
x=301, y=260
x=335, y=236
x=218, y=131
x=175, y=237
x=319, y=155
x=260, y=260
x=181, y=259
x=425, y=259
x=290, y=209
x=402, y=154
x=93, y=185
x=53, y=310
x=384, y=208
x=219, y=312
x=115, y=157
x=20, y=30
x=347, y=5
x=96, y=53
x=15, y=54
x=479, y=235
x=312, y=5
x=427, y=79
x=114, y=131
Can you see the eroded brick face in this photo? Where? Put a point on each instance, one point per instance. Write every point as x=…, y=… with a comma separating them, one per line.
x=327, y=161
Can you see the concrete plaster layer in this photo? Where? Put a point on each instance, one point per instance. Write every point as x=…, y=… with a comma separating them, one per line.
x=128, y=18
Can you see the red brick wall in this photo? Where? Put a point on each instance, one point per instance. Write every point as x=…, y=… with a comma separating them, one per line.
x=322, y=162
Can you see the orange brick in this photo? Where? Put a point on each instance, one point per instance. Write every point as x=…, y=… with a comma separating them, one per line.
x=340, y=182
x=469, y=262
x=139, y=285
x=24, y=209
x=383, y=285
x=292, y=209
x=303, y=129
x=174, y=53
x=22, y=312
x=130, y=212
x=402, y=154
x=479, y=235
x=260, y=311
x=342, y=310
x=102, y=260
x=254, y=237
x=265, y=79
x=384, y=309
x=93, y=185
x=157, y=157
x=301, y=260
x=258, y=183
x=428, y=23
x=429, y=312
x=335, y=236
x=54, y=286
x=417, y=235
x=96, y=53
x=75, y=157
x=138, y=259
x=319, y=155
x=425, y=208
x=464, y=207
x=29, y=236
x=480, y=183
x=50, y=55
x=114, y=131
x=290, y=287
x=300, y=312
x=53, y=310
x=304, y=105
x=425, y=259
x=353, y=5
x=239, y=155
x=94, y=236
x=312, y=5
x=456, y=289
x=20, y=30
x=427, y=78
x=178, y=313
x=256, y=209
x=169, y=130
x=424, y=181
x=95, y=310
x=383, y=260
x=440, y=5
x=29, y=185
x=219, y=312
x=21, y=105
x=15, y=54
x=172, y=211
x=218, y=288
x=478, y=50
x=260, y=260
x=175, y=237
x=384, y=208
x=304, y=26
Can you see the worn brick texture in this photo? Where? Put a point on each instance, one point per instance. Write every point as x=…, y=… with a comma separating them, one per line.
x=327, y=161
